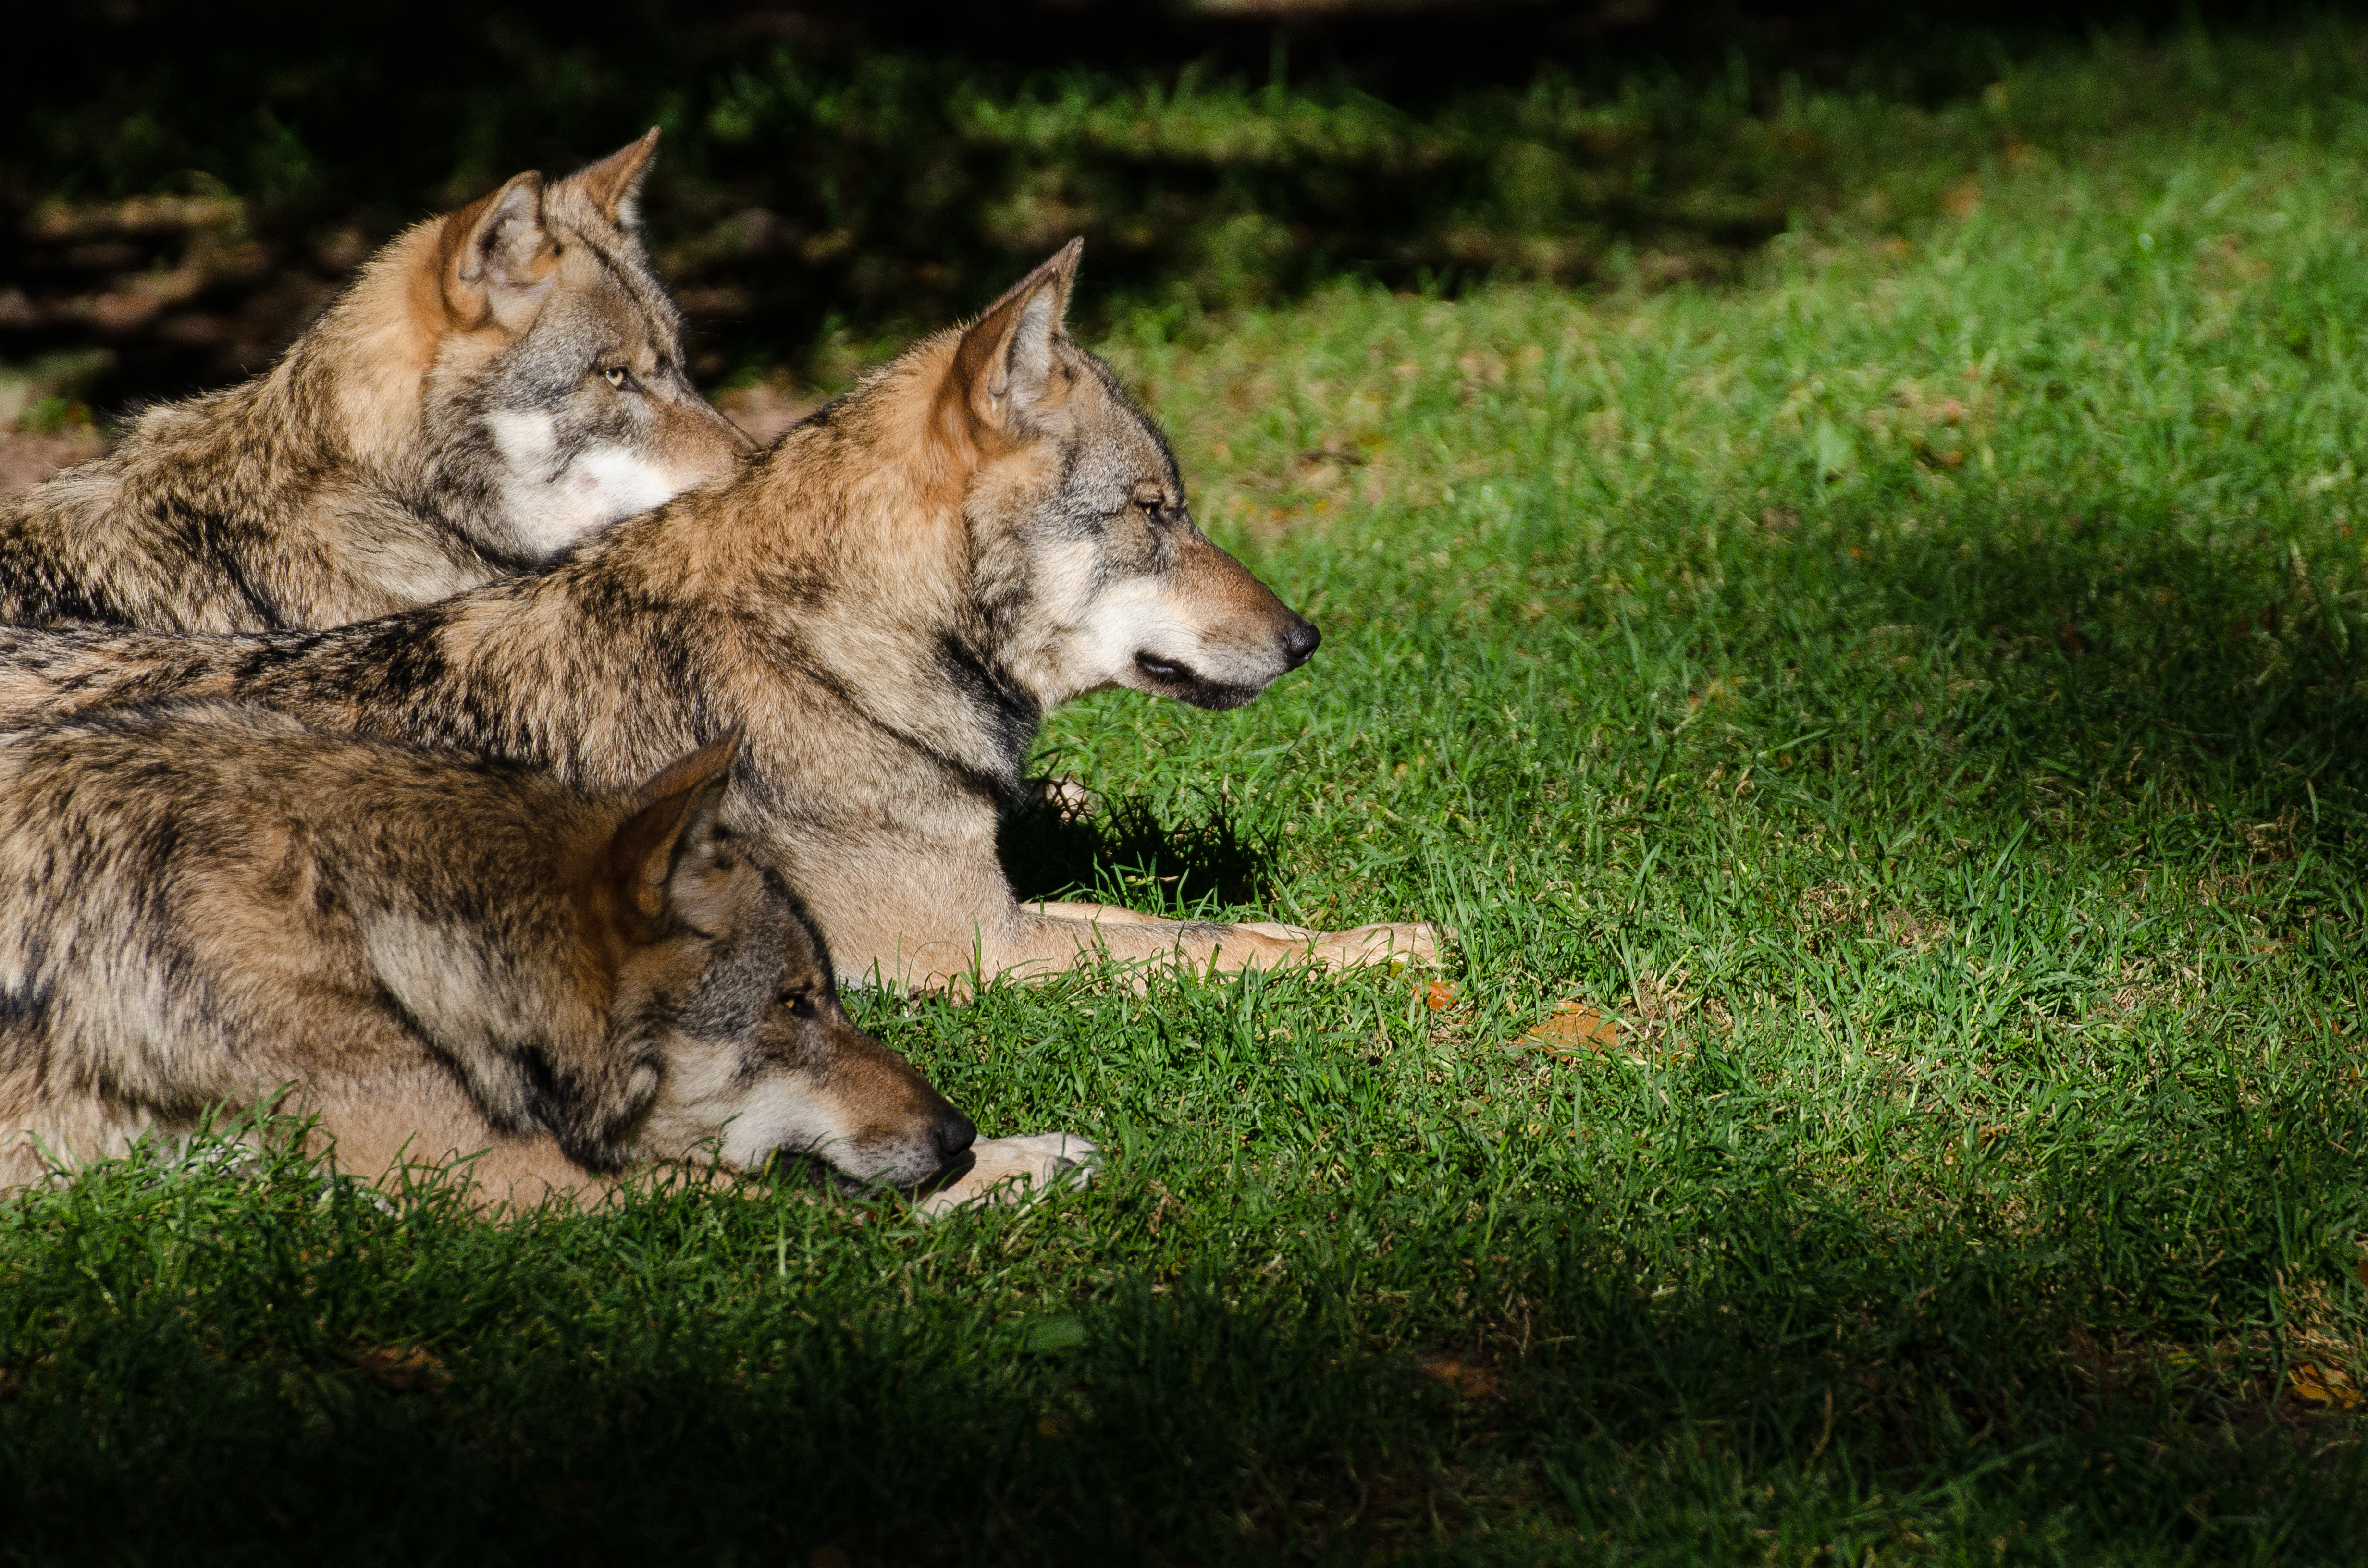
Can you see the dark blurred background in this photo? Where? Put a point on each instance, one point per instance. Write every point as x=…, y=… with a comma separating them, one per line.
x=183, y=185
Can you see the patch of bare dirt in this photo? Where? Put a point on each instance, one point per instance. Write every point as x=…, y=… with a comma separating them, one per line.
x=26, y=458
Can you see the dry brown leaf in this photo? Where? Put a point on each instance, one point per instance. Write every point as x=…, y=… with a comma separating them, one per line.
x=405, y=1369
x=1574, y=1026
x=1438, y=995
x=2330, y=1389
x=1470, y=1379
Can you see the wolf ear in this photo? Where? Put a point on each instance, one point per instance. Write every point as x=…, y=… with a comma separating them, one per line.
x=614, y=183
x=669, y=854
x=1004, y=366
x=498, y=257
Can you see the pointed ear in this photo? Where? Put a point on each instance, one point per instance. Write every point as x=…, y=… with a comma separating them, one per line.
x=667, y=856
x=1004, y=364
x=497, y=259
x=614, y=183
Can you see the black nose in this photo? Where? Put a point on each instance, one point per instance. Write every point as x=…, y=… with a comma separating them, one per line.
x=952, y=1133
x=1299, y=640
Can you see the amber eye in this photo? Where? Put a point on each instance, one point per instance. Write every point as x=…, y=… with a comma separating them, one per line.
x=801, y=1004
x=619, y=377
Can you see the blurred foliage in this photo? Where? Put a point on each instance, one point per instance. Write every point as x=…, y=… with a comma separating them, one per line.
x=187, y=184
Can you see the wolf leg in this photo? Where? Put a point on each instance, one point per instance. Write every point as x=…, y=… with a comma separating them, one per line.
x=1353, y=948
x=923, y=926
x=1042, y=944
x=1360, y=946
x=1109, y=913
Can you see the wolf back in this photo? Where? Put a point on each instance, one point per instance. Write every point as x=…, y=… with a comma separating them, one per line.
x=884, y=606
x=208, y=906
x=496, y=385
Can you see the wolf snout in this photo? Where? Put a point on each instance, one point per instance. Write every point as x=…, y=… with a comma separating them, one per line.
x=1299, y=640
x=952, y=1135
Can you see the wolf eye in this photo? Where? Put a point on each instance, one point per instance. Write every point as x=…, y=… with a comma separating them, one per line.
x=621, y=378
x=800, y=1003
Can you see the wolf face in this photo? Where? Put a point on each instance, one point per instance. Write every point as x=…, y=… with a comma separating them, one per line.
x=1079, y=502
x=585, y=414
x=730, y=985
x=496, y=386
x=763, y=1061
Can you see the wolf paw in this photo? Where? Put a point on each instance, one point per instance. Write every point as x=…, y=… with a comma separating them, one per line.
x=1368, y=944
x=1014, y=1170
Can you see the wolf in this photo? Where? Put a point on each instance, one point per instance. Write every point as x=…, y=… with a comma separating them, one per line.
x=883, y=606
x=209, y=907
x=496, y=385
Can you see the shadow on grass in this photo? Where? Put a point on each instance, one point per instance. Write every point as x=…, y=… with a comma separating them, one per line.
x=1212, y=1421
x=196, y=1363
x=1122, y=852
x=2242, y=664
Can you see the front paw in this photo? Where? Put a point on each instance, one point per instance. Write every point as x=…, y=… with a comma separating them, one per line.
x=1013, y=1170
x=1410, y=943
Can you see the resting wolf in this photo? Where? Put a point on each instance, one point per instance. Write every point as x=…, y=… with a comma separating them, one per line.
x=496, y=385
x=883, y=606
x=435, y=955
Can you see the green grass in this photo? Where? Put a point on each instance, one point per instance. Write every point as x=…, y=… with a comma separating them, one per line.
x=1918, y=691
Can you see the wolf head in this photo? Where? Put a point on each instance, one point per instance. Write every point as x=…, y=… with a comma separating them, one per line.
x=557, y=402
x=723, y=985
x=1087, y=551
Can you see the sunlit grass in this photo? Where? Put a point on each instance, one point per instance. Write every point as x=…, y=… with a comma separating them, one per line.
x=1915, y=695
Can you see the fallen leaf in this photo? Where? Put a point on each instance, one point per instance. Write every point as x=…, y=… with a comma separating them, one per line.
x=1048, y=1334
x=1438, y=995
x=1470, y=1379
x=2331, y=1388
x=1573, y=1026
x=405, y=1369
